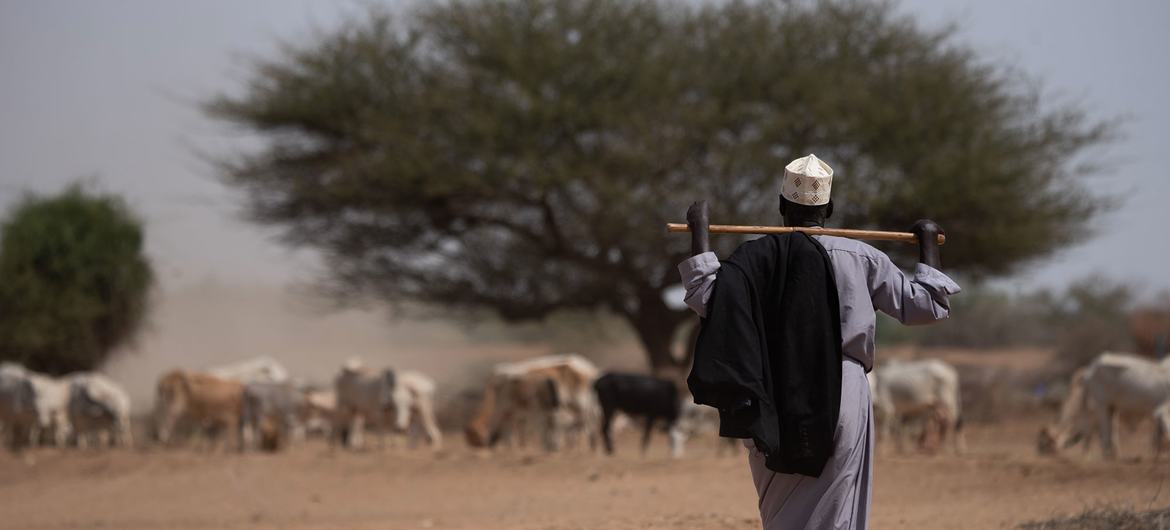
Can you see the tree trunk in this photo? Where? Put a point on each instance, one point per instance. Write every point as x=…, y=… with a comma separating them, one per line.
x=657, y=326
x=656, y=341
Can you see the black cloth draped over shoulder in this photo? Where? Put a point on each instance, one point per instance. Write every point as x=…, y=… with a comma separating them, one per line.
x=768, y=355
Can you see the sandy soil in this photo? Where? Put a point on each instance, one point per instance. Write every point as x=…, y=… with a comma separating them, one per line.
x=998, y=483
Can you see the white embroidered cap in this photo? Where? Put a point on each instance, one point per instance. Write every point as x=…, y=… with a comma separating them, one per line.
x=808, y=181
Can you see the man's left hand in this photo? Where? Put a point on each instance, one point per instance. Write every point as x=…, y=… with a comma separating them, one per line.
x=928, y=232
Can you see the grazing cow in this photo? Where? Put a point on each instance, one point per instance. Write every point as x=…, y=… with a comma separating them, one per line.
x=654, y=399
x=387, y=398
x=556, y=391
x=18, y=408
x=274, y=410
x=1114, y=385
x=256, y=370
x=926, y=389
x=212, y=403
x=97, y=405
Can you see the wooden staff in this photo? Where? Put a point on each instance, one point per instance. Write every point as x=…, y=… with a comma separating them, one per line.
x=905, y=237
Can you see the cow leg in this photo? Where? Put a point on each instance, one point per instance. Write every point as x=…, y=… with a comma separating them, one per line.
x=573, y=418
x=424, y=410
x=550, y=426
x=678, y=439
x=607, y=430
x=357, y=429
x=61, y=429
x=402, y=408
x=959, y=437
x=293, y=428
x=1156, y=439
x=16, y=436
x=385, y=427
x=503, y=428
x=248, y=429
x=647, y=430
x=233, y=428
x=1105, y=425
x=896, y=430
x=589, y=420
x=166, y=427
x=1162, y=428
x=208, y=432
x=340, y=428
x=513, y=427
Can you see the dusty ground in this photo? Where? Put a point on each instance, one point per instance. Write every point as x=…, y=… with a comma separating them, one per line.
x=1000, y=482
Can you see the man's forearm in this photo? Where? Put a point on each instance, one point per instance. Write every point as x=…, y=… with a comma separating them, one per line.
x=928, y=254
x=700, y=242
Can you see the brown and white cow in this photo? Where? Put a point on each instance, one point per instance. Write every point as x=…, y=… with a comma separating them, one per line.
x=214, y=405
x=553, y=392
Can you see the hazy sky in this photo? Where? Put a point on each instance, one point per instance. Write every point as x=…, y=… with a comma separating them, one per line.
x=108, y=90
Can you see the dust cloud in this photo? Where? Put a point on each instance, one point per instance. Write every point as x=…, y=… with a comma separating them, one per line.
x=215, y=322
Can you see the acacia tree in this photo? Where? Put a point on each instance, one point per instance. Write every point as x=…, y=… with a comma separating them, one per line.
x=73, y=281
x=523, y=155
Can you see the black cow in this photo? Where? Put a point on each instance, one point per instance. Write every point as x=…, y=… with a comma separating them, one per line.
x=653, y=398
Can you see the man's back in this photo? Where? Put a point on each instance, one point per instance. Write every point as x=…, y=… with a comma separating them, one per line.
x=867, y=281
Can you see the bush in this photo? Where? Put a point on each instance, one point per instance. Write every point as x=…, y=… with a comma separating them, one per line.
x=74, y=280
x=1086, y=318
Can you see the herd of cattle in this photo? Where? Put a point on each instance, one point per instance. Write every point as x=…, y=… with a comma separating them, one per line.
x=564, y=399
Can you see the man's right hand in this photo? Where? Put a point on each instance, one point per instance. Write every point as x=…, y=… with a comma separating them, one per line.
x=697, y=215
x=698, y=223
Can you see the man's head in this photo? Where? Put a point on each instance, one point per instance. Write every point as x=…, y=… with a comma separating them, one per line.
x=804, y=215
x=805, y=193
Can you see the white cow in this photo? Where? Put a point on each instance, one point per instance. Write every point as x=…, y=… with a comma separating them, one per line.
x=97, y=405
x=400, y=399
x=1114, y=385
x=926, y=389
x=52, y=397
x=18, y=409
x=255, y=370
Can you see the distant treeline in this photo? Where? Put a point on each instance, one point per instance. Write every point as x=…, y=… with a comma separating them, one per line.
x=1079, y=321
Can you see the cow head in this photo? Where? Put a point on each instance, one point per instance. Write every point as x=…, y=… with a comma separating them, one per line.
x=476, y=436
x=170, y=403
x=1051, y=441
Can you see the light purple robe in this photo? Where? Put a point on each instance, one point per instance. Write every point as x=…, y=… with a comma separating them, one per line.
x=867, y=281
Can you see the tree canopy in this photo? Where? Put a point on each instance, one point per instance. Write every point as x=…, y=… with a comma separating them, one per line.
x=523, y=155
x=75, y=281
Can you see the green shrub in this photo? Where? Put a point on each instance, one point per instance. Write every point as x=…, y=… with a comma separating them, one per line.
x=73, y=280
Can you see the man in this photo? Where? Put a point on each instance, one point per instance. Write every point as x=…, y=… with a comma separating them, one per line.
x=774, y=312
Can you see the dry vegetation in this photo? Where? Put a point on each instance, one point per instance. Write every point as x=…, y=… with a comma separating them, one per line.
x=1106, y=519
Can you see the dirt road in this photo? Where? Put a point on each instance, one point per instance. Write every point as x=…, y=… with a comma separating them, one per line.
x=999, y=483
